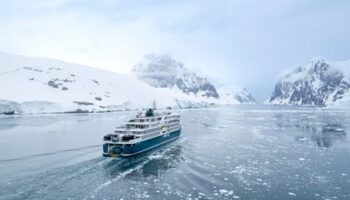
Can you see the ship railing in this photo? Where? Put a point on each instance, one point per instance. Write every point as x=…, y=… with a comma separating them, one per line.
x=141, y=123
x=137, y=129
x=158, y=133
x=156, y=115
x=132, y=141
x=170, y=129
x=118, y=130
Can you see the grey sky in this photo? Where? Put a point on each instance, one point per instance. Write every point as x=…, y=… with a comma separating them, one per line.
x=247, y=43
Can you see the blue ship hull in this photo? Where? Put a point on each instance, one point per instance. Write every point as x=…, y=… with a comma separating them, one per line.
x=115, y=150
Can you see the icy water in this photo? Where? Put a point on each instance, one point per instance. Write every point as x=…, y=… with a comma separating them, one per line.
x=240, y=152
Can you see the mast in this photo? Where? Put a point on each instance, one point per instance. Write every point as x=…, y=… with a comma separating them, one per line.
x=154, y=105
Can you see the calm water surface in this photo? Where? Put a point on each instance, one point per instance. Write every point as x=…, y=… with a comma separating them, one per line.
x=239, y=152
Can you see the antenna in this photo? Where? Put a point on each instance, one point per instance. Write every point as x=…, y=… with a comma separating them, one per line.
x=154, y=105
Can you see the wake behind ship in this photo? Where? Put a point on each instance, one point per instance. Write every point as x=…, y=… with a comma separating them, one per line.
x=142, y=133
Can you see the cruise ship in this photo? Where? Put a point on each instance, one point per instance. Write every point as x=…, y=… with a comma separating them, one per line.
x=144, y=132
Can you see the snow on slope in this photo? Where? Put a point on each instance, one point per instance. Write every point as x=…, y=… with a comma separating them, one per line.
x=231, y=94
x=40, y=85
x=343, y=66
x=162, y=71
x=318, y=83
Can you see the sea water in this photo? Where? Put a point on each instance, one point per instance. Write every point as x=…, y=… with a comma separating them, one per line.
x=236, y=152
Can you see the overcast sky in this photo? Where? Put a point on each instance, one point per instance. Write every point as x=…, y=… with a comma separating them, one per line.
x=248, y=43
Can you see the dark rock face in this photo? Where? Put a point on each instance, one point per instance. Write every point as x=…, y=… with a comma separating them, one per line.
x=53, y=84
x=95, y=81
x=316, y=84
x=84, y=103
x=36, y=69
x=59, y=83
x=245, y=98
x=9, y=107
x=232, y=94
x=78, y=111
x=165, y=72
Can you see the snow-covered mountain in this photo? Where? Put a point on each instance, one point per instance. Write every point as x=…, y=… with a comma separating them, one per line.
x=231, y=94
x=318, y=83
x=39, y=85
x=162, y=71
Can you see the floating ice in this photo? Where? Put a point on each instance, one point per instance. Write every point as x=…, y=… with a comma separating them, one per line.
x=226, y=192
x=292, y=194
